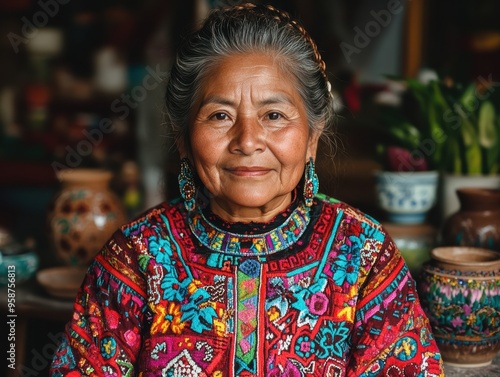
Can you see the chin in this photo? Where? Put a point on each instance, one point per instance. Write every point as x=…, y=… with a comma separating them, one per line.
x=256, y=200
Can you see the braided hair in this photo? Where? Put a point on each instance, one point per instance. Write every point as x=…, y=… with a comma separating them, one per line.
x=248, y=28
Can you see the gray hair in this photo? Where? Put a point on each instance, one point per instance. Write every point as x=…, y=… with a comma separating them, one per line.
x=248, y=28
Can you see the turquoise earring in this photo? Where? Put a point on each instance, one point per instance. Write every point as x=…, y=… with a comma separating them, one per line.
x=186, y=185
x=311, y=183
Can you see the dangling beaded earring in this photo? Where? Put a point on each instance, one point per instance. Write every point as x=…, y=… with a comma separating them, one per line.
x=186, y=185
x=311, y=183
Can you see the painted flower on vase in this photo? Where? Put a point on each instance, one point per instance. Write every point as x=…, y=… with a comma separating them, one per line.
x=457, y=322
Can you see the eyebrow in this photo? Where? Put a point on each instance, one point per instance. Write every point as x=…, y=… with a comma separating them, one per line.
x=275, y=98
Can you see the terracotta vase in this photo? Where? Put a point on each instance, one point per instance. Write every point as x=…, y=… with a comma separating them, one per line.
x=477, y=222
x=448, y=199
x=83, y=215
x=460, y=292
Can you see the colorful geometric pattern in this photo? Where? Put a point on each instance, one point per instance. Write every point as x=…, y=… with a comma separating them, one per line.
x=338, y=301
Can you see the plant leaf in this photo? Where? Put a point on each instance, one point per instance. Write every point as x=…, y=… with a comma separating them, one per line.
x=469, y=99
x=486, y=124
x=473, y=156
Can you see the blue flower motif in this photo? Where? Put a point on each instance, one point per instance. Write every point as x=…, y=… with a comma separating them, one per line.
x=332, y=339
x=160, y=249
x=199, y=311
x=108, y=347
x=346, y=269
x=304, y=347
x=173, y=289
x=406, y=348
x=302, y=295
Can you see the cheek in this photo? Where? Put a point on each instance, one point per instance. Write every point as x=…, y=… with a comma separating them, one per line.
x=206, y=151
x=204, y=147
x=291, y=151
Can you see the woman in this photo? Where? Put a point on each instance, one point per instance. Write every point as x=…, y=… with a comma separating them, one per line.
x=250, y=273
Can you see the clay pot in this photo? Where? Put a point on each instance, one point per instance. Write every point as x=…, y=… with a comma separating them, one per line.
x=460, y=292
x=477, y=222
x=448, y=199
x=83, y=215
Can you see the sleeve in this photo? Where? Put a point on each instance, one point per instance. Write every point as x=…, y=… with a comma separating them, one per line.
x=392, y=335
x=103, y=338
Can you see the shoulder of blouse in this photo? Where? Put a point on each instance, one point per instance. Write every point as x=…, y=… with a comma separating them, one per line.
x=348, y=211
x=152, y=216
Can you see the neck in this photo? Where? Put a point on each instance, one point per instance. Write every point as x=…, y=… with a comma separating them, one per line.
x=262, y=214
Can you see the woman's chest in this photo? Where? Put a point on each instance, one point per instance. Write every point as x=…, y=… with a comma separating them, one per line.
x=221, y=316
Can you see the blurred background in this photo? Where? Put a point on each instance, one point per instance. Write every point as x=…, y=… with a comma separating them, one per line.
x=82, y=82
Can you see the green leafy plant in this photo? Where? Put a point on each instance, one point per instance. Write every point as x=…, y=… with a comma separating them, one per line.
x=442, y=125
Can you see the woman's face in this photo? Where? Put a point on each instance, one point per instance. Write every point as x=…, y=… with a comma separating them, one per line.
x=249, y=137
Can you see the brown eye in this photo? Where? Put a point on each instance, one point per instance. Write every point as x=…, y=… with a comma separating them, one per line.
x=220, y=116
x=274, y=116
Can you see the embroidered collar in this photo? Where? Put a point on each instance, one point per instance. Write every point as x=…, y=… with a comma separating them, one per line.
x=223, y=238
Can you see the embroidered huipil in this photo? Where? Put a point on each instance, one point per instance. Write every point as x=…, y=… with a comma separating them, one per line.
x=319, y=291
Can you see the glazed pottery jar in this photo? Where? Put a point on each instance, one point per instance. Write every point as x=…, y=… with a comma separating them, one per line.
x=83, y=215
x=460, y=292
x=477, y=222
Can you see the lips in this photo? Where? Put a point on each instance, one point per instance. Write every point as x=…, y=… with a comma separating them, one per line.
x=249, y=171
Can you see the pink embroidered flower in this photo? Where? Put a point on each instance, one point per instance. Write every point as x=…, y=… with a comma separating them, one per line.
x=318, y=303
x=305, y=347
x=130, y=337
x=112, y=317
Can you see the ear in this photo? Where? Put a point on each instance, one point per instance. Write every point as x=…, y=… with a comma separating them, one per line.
x=180, y=142
x=313, y=141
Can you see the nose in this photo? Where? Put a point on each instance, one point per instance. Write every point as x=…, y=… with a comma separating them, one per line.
x=248, y=136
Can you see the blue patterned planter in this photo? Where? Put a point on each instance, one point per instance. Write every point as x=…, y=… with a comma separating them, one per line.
x=21, y=266
x=406, y=197
x=460, y=292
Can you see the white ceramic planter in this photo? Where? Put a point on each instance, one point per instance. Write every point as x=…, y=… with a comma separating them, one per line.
x=406, y=197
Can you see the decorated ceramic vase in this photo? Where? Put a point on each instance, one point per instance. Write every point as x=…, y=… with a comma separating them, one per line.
x=460, y=292
x=83, y=215
x=477, y=222
x=406, y=197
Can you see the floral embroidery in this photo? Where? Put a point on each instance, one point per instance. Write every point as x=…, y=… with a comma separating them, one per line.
x=345, y=270
x=167, y=317
x=326, y=306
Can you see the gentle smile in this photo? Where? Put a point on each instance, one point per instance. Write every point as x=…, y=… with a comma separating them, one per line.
x=249, y=171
